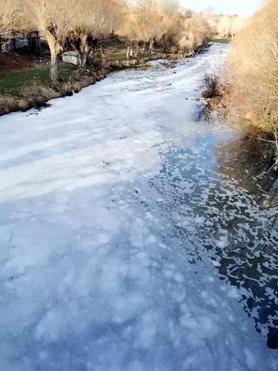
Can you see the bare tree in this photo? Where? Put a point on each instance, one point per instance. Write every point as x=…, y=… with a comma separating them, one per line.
x=146, y=22
x=53, y=19
x=94, y=21
x=152, y=21
x=130, y=28
x=8, y=16
x=11, y=19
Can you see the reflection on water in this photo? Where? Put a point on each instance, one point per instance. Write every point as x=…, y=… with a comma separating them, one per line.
x=249, y=161
x=216, y=209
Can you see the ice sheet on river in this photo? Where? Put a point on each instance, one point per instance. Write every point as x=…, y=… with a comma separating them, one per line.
x=94, y=275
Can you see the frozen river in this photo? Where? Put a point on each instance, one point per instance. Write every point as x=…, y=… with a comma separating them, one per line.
x=123, y=245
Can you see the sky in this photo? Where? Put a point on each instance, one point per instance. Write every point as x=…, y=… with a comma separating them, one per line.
x=242, y=7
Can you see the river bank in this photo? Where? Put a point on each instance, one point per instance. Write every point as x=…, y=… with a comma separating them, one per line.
x=20, y=91
x=255, y=150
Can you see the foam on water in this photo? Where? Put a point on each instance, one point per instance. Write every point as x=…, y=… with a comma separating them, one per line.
x=116, y=227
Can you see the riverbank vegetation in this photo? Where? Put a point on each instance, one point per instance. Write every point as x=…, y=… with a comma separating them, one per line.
x=136, y=31
x=246, y=94
x=251, y=83
x=83, y=26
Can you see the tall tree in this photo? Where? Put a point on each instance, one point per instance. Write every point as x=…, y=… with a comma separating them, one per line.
x=53, y=19
x=94, y=21
x=146, y=21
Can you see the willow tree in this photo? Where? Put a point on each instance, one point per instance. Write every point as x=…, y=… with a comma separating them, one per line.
x=152, y=21
x=129, y=28
x=94, y=21
x=172, y=23
x=145, y=22
x=53, y=19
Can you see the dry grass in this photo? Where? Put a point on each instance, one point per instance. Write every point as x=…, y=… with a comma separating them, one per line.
x=253, y=72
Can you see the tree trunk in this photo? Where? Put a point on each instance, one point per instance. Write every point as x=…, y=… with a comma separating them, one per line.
x=131, y=51
x=127, y=52
x=151, y=46
x=136, y=51
x=84, y=51
x=102, y=55
x=92, y=54
x=54, y=67
x=55, y=49
x=144, y=48
x=83, y=60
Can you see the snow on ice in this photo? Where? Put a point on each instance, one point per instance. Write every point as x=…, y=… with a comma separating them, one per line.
x=103, y=262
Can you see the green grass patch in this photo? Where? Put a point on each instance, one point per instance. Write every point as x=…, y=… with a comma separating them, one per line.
x=16, y=81
x=119, y=55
